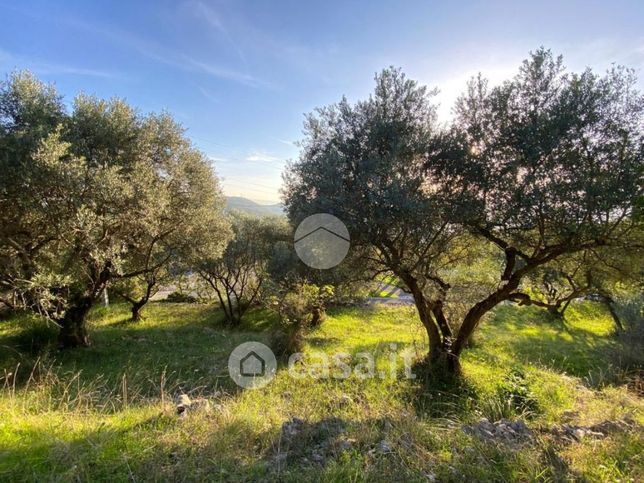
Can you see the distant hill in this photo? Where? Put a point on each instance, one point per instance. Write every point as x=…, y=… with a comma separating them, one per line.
x=248, y=206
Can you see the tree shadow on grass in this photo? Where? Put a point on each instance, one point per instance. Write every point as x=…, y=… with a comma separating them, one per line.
x=534, y=339
x=23, y=339
x=179, y=348
x=320, y=342
x=442, y=396
x=432, y=395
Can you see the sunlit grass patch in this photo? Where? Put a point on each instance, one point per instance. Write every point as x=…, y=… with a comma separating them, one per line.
x=107, y=412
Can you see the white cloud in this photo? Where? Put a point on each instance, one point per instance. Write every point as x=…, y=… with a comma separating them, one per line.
x=223, y=72
x=213, y=18
x=288, y=143
x=260, y=156
x=164, y=55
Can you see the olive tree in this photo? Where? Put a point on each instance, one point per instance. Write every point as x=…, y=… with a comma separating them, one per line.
x=604, y=275
x=29, y=112
x=535, y=170
x=183, y=219
x=238, y=275
x=93, y=191
x=365, y=163
x=554, y=170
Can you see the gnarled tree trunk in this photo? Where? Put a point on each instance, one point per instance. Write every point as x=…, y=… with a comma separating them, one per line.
x=137, y=305
x=441, y=358
x=73, y=330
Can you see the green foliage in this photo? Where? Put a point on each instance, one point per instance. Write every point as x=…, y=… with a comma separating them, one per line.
x=238, y=274
x=516, y=396
x=630, y=357
x=181, y=298
x=530, y=196
x=531, y=175
x=94, y=195
x=365, y=163
x=569, y=144
x=300, y=307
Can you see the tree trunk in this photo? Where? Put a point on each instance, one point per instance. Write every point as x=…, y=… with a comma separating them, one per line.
x=441, y=359
x=435, y=342
x=445, y=363
x=73, y=330
x=318, y=316
x=565, y=307
x=231, y=311
x=476, y=313
x=138, y=304
x=136, y=310
x=235, y=309
x=555, y=312
x=609, y=303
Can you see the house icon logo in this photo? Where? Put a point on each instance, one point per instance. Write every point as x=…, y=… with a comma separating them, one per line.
x=321, y=241
x=252, y=365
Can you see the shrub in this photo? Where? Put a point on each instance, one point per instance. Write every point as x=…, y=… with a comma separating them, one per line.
x=301, y=307
x=631, y=340
x=180, y=297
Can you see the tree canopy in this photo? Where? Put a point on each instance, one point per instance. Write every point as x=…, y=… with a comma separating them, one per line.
x=92, y=195
x=238, y=275
x=531, y=172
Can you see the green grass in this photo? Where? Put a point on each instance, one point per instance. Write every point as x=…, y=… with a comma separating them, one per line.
x=106, y=412
x=386, y=293
x=393, y=280
x=382, y=294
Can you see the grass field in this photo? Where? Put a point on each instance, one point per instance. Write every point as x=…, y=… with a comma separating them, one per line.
x=107, y=413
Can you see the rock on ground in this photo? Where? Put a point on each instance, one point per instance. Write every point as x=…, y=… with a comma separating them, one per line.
x=307, y=442
x=517, y=432
x=185, y=405
x=504, y=430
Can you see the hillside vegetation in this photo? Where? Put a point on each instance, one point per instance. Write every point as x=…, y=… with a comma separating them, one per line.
x=108, y=412
x=239, y=203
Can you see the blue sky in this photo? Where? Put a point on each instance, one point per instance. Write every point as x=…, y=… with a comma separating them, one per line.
x=240, y=75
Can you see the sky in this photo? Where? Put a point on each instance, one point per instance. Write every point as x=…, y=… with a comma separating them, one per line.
x=241, y=75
